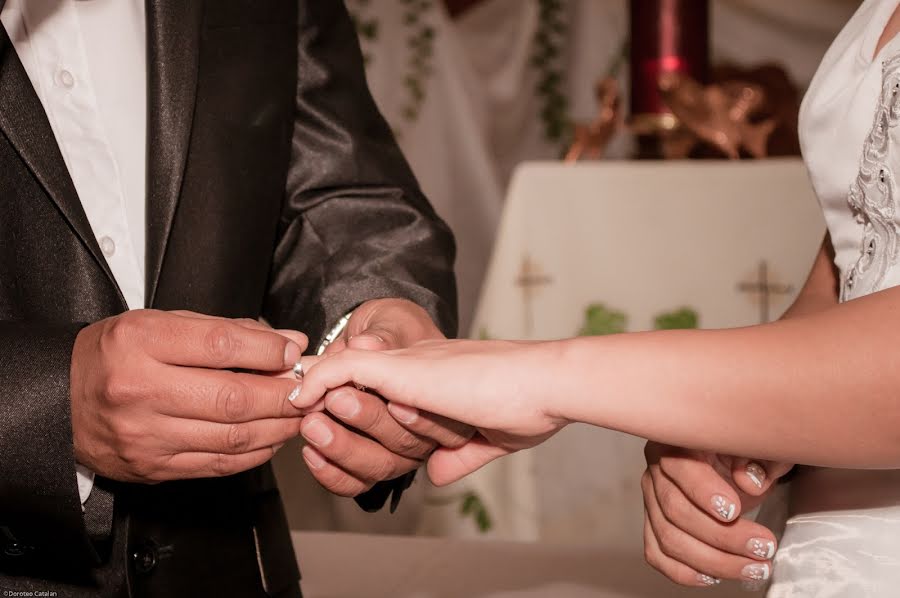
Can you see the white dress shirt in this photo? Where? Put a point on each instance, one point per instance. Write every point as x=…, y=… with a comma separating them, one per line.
x=87, y=61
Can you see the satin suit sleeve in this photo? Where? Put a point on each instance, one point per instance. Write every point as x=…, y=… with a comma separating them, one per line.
x=355, y=225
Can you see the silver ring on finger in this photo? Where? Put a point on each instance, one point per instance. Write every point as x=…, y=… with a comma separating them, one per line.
x=298, y=370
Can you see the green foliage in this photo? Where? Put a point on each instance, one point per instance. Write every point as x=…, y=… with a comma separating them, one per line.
x=599, y=320
x=681, y=319
x=546, y=59
x=420, y=42
x=472, y=506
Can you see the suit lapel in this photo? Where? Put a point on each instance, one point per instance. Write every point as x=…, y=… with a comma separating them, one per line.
x=24, y=123
x=173, y=38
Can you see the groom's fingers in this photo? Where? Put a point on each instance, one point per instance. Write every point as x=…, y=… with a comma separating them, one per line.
x=445, y=432
x=298, y=337
x=332, y=477
x=361, y=457
x=448, y=465
x=369, y=414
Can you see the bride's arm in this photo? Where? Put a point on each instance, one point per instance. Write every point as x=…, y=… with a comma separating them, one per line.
x=821, y=386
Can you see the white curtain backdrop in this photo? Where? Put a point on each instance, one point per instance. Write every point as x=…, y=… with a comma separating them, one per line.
x=480, y=114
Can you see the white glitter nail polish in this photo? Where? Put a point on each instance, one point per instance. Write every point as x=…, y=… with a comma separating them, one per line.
x=756, y=572
x=294, y=394
x=764, y=549
x=723, y=507
x=708, y=580
x=756, y=473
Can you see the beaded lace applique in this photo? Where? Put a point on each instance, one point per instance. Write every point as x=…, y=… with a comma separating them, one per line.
x=872, y=194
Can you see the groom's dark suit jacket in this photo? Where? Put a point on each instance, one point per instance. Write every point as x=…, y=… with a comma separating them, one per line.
x=275, y=189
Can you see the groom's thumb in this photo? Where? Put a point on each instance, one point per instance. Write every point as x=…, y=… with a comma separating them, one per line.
x=447, y=465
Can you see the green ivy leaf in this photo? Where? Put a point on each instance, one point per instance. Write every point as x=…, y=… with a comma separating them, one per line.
x=681, y=319
x=599, y=320
x=472, y=506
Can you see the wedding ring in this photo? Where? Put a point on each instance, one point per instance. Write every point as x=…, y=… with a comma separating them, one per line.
x=298, y=370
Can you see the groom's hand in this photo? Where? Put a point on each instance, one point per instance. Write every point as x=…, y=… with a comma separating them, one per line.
x=693, y=533
x=152, y=401
x=366, y=442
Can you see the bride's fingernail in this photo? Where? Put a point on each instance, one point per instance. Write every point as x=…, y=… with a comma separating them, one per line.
x=708, y=580
x=403, y=414
x=756, y=473
x=295, y=393
x=762, y=548
x=723, y=507
x=756, y=572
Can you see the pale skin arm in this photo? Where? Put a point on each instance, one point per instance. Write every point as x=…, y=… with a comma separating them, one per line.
x=818, y=388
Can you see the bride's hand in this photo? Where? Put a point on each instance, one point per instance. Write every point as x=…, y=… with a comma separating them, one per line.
x=495, y=386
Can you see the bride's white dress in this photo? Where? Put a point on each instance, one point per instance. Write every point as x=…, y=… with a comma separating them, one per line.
x=843, y=539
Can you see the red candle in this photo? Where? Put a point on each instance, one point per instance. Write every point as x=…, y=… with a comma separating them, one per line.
x=666, y=36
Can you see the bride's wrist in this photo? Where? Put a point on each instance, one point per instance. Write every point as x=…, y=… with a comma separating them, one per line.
x=549, y=373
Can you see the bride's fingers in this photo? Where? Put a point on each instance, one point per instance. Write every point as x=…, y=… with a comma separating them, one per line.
x=700, y=482
x=322, y=373
x=447, y=465
x=750, y=476
x=742, y=537
x=755, y=477
x=675, y=571
x=699, y=556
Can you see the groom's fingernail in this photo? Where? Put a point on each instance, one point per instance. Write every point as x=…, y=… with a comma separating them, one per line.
x=756, y=572
x=317, y=433
x=292, y=354
x=761, y=548
x=312, y=457
x=723, y=507
x=343, y=404
x=366, y=340
x=403, y=414
x=756, y=473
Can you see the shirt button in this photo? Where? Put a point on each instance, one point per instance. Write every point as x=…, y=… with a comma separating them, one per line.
x=108, y=246
x=65, y=79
